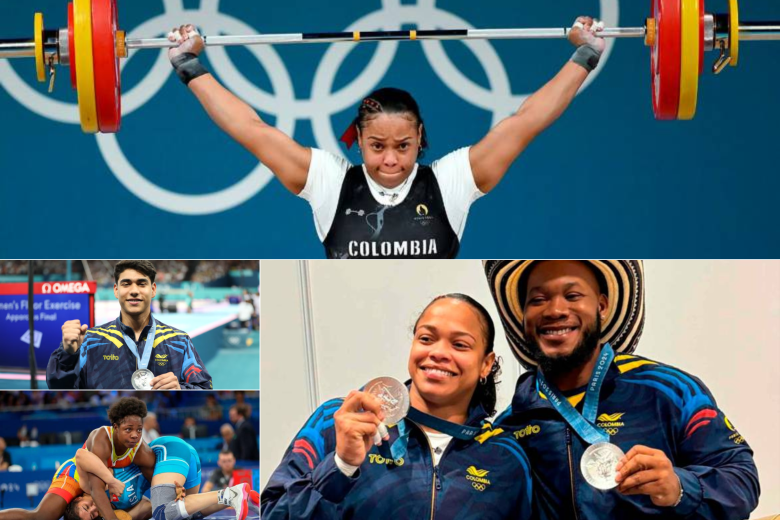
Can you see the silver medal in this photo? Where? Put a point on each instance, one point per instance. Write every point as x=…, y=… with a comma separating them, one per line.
x=598, y=465
x=394, y=397
x=142, y=379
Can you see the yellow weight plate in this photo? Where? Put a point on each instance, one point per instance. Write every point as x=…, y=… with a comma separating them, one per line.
x=689, y=54
x=85, y=72
x=734, y=31
x=40, y=64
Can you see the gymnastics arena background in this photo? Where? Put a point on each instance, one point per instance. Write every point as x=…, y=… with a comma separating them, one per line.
x=202, y=298
x=44, y=429
x=637, y=187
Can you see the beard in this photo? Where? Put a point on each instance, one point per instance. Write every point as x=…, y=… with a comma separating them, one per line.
x=552, y=366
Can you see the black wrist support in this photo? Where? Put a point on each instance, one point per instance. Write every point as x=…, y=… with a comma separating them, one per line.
x=587, y=57
x=188, y=67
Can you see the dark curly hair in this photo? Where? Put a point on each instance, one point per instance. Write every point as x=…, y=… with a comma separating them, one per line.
x=144, y=267
x=72, y=509
x=484, y=394
x=125, y=407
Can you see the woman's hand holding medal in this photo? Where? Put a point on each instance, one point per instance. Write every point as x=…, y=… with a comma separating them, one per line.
x=646, y=471
x=357, y=422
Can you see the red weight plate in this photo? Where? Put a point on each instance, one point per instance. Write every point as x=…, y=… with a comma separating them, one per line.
x=701, y=37
x=665, y=58
x=106, y=63
x=71, y=47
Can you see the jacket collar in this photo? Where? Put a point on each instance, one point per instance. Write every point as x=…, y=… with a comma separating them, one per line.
x=476, y=413
x=527, y=397
x=127, y=331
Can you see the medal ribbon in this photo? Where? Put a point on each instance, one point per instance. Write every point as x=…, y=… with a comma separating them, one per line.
x=583, y=424
x=459, y=431
x=142, y=363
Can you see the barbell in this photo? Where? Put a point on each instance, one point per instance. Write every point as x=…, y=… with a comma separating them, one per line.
x=678, y=33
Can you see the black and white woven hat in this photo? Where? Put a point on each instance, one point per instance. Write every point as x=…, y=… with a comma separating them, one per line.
x=622, y=281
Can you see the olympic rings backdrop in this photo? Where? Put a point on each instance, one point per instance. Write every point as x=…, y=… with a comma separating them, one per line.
x=607, y=180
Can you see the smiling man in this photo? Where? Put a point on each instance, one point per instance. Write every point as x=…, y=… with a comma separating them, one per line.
x=610, y=434
x=133, y=346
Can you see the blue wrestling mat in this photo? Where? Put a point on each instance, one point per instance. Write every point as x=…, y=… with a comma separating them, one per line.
x=15, y=488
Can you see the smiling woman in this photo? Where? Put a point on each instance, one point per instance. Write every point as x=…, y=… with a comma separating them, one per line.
x=448, y=359
x=452, y=391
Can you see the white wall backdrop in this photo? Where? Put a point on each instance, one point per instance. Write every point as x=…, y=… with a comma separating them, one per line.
x=328, y=327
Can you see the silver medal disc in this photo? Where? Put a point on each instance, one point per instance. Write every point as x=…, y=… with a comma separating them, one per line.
x=394, y=396
x=142, y=379
x=598, y=465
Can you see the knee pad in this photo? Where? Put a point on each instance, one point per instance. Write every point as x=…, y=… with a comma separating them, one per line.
x=164, y=504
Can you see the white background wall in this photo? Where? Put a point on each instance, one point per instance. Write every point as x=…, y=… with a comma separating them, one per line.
x=719, y=320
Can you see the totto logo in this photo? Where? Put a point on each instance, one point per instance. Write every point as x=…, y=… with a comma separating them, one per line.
x=498, y=98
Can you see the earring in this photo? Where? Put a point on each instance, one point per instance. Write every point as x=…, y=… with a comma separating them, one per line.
x=483, y=381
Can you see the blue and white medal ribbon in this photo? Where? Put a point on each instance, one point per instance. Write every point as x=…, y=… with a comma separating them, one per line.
x=141, y=378
x=599, y=460
x=463, y=432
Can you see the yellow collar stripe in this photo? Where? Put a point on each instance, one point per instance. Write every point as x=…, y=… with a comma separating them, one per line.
x=112, y=339
x=575, y=399
x=111, y=331
x=160, y=339
x=482, y=437
x=636, y=364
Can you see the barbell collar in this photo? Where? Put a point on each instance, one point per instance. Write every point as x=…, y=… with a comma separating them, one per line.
x=63, y=49
x=709, y=32
x=51, y=46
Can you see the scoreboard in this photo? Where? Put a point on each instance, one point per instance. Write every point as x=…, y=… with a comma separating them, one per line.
x=54, y=303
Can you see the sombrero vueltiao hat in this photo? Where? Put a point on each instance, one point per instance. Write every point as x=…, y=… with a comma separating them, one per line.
x=622, y=281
